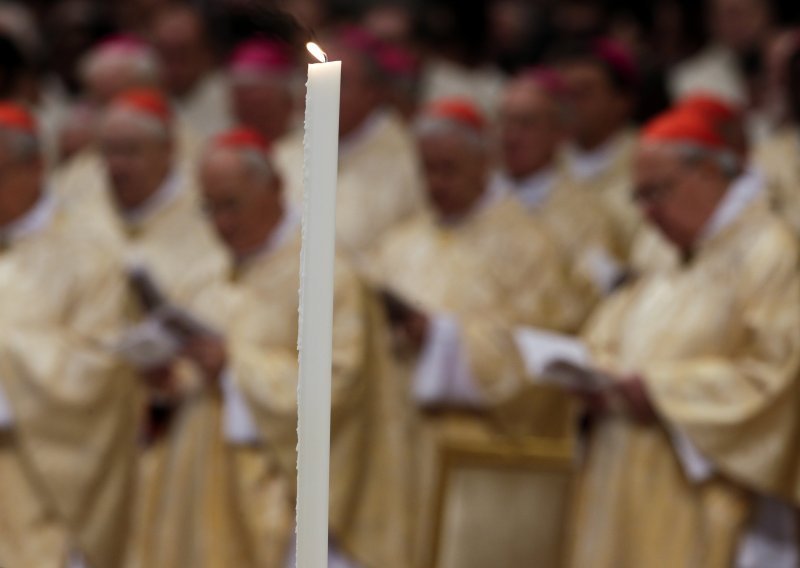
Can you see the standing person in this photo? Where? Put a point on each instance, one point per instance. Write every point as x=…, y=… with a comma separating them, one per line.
x=68, y=419
x=459, y=280
x=200, y=91
x=533, y=131
x=700, y=411
x=601, y=79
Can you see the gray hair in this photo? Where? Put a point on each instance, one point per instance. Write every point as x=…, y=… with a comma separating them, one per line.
x=257, y=164
x=727, y=160
x=22, y=146
x=433, y=125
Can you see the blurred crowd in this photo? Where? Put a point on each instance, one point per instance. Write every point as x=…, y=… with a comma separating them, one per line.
x=566, y=321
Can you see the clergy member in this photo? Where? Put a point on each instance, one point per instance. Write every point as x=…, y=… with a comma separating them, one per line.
x=265, y=83
x=779, y=155
x=701, y=364
x=379, y=181
x=200, y=91
x=67, y=406
x=251, y=365
x=602, y=79
x=458, y=280
x=532, y=134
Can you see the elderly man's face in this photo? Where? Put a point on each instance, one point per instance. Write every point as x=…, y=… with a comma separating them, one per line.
x=242, y=205
x=136, y=158
x=530, y=129
x=455, y=172
x=676, y=195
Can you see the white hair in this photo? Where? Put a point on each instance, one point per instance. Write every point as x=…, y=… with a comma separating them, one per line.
x=434, y=125
x=143, y=63
x=727, y=160
x=22, y=145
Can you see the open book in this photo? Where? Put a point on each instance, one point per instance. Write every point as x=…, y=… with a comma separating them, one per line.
x=563, y=360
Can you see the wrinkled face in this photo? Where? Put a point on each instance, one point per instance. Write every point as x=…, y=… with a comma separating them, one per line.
x=185, y=56
x=455, y=172
x=263, y=103
x=677, y=196
x=598, y=109
x=137, y=158
x=530, y=129
x=243, y=206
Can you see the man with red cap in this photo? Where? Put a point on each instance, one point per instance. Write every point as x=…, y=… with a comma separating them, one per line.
x=458, y=281
x=67, y=423
x=602, y=79
x=250, y=369
x=379, y=184
x=532, y=134
x=698, y=408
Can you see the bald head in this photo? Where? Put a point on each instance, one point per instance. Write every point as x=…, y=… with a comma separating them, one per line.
x=242, y=195
x=532, y=128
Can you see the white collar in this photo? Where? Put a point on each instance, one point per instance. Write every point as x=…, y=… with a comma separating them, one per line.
x=586, y=164
x=278, y=237
x=169, y=190
x=36, y=219
x=532, y=191
x=742, y=192
x=364, y=132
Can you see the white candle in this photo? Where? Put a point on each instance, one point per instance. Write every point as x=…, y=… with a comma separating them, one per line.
x=316, y=310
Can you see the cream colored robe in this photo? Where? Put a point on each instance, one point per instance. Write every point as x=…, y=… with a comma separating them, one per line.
x=207, y=108
x=778, y=158
x=613, y=187
x=187, y=513
x=493, y=271
x=717, y=342
x=368, y=441
x=584, y=239
x=379, y=181
x=66, y=465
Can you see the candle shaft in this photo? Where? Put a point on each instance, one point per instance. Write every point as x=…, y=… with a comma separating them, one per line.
x=316, y=312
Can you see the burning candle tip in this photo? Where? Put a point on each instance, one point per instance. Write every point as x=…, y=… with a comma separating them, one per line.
x=317, y=52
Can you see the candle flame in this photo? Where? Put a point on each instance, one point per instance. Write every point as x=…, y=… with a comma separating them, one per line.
x=316, y=51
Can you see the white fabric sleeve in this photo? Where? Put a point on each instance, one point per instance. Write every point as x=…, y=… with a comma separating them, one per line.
x=6, y=415
x=770, y=538
x=695, y=465
x=601, y=268
x=443, y=374
x=238, y=423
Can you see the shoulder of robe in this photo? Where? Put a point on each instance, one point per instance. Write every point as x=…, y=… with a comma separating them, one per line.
x=773, y=153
